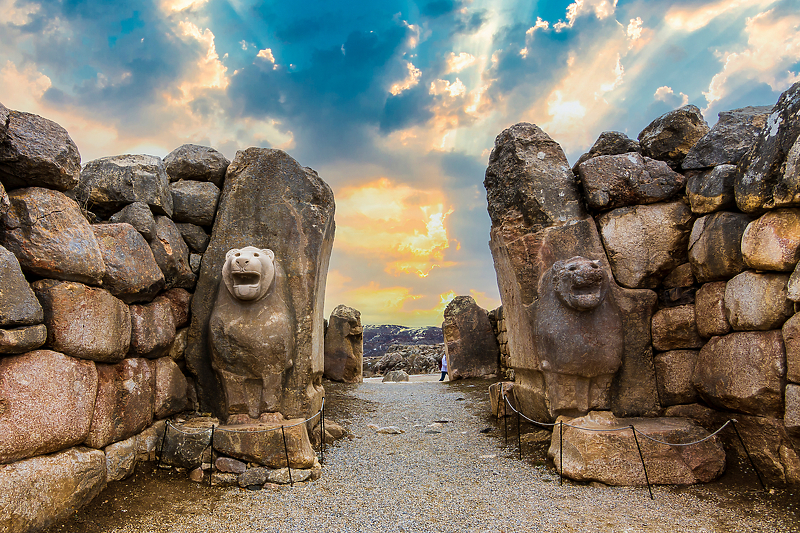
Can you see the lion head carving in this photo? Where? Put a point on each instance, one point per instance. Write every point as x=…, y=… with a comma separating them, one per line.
x=580, y=283
x=248, y=272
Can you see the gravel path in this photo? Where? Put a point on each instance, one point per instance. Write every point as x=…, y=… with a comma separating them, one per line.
x=443, y=477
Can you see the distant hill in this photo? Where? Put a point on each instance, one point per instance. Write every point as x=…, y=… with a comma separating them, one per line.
x=377, y=339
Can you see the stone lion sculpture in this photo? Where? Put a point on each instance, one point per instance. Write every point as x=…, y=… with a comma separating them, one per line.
x=251, y=333
x=579, y=339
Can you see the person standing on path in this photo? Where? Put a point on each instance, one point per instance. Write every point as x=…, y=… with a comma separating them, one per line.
x=444, y=367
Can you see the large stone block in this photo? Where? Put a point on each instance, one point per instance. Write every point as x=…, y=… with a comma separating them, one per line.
x=670, y=137
x=181, y=301
x=712, y=190
x=675, y=328
x=766, y=177
x=194, y=202
x=188, y=445
x=44, y=229
x=263, y=443
x=770, y=447
x=170, y=389
x=729, y=139
x=172, y=255
x=709, y=310
x=344, y=345
x=612, y=181
x=644, y=243
x=198, y=163
x=608, y=143
x=791, y=417
x=22, y=340
x=124, y=404
x=152, y=328
x=743, y=372
x=84, y=322
x=757, y=301
x=36, y=152
x=41, y=491
x=110, y=183
x=132, y=274
x=194, y=236
x=772, y=242
x=46, y=403
x=139, y=216
x=674, y=370
x=791, y=339
x=470, y=343
x=715, y=246
x=120, y=459
x=269, y=201
x=18, y=304
x=612, y=457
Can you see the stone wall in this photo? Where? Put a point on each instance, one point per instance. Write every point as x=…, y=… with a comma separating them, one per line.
x=98, y=269
x=698, y=232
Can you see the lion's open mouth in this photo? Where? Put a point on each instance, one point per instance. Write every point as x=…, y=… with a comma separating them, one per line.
x=246, y=284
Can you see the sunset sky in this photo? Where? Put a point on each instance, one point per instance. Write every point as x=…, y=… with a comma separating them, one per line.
x=395, y=103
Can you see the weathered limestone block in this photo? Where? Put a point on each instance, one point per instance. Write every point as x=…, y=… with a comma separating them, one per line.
x=772, y=242
x=712, y=190
x=674, y=370
x=612, y=181
x=5, y=203
x=714, y=246
x=43, y=229
x=280, y=476
x=681, y=276
x=120, y=459
x=22, y=340
x=148, y=442
x=132, y=274
x=579, y=336
x=251, y=332
x=181, y=301
x=395, y=376
x=761, y=180
x=255, y=476
x=743, y=372
x=608, y=143
x=263, y=443
x=41, y=491
x=152, y=328
x=469, y=341
x=109, y=183
x=18, y=304
x=770, y=446
x=178, y=348
x=172, y=255
x=194, y=236
x=170, y=389
x=729, y=139
x=791, y=339
x=46, y=402
x=198, y=163
x=646, y=242
x=84, y=322
x=124, y=404
x=612, y=457
x=793, y=285
x=670, y=137
x=269, y=201
x=537, y=219
x=498, y=393
x=36, y=152
x=757, y=301
x=675, y=328
x=709, y=306
x=188, y=445
x=194, y=202
x=195, y=261
x=791, y=417
x=228, y=464
x=139, y=216
x=344, y=345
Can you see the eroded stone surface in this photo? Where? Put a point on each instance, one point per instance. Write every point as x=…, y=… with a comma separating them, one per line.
x=170, y=389
x=152, y=328
x=194, y=162
x=729, y=139
x=132, y=274
x=120, y=459
x=43, y=229
x=670, y=137
x=194, y=236
x=757, y=301
x=263, y=443
x=674, y=370
x=772, y=242
x=22, y=340
x=139, y=216
x=608, y=143
x=18, y=304
x=710, y=310
x=194, y=202
x=714, y=246
x=172, y=255
x=85, y=322
x=344, y=345
x=712, y=190
x=791, y=339
x=675, y=328
x=67, y=386
x=470, y=343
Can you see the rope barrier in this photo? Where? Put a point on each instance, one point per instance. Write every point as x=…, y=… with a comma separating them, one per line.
x=634, y=431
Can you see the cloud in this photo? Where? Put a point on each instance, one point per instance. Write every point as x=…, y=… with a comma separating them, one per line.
x=457, y=63
x=692, y=17
x=602, y=9
x=411, y=79
x=266, y=54
x=770, y=56
x=667, y=95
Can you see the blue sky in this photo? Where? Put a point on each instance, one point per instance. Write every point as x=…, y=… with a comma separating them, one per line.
x=396, y=103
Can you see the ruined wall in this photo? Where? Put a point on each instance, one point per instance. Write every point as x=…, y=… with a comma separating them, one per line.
x=699, y=231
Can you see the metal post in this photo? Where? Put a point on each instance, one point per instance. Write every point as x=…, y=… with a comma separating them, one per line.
x=211, y=470
x=322, y=432
x=519, y=438
x=163, y=439
x=561, y=451
x=753, y=464
x=505, y=418
x=286, y=449
x=647, y=480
